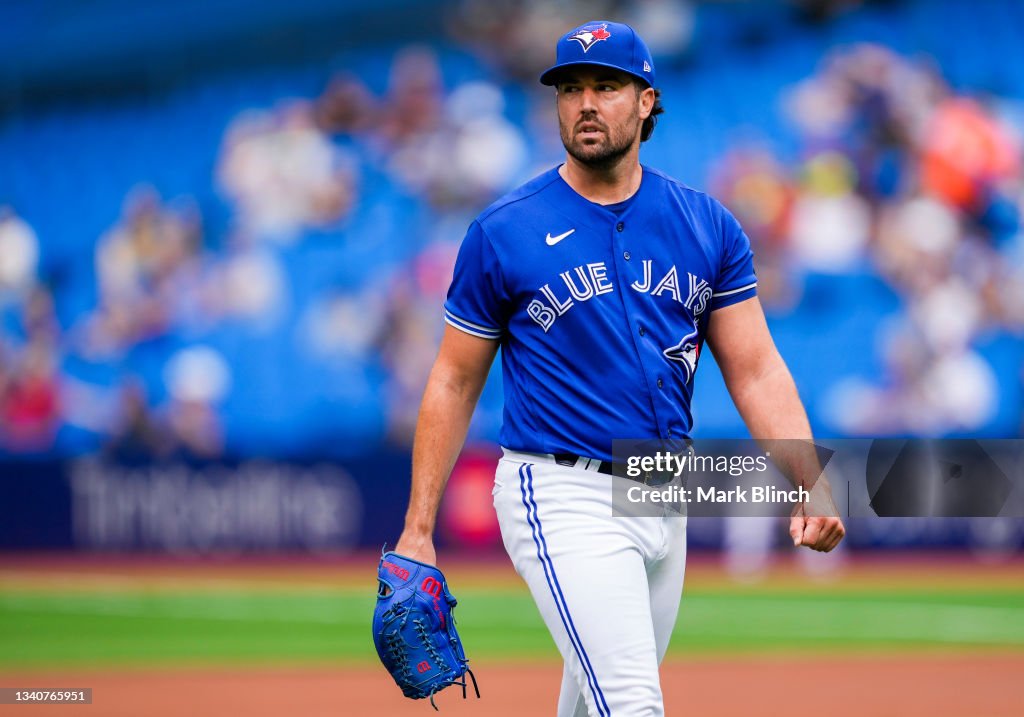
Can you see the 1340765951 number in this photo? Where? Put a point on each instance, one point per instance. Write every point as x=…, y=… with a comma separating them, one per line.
x=45, y=695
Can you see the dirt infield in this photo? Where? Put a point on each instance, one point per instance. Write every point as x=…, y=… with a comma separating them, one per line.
x=936, y=686
x=939, y=571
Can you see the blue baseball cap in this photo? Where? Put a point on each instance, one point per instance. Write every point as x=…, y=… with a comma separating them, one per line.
x=603, y=43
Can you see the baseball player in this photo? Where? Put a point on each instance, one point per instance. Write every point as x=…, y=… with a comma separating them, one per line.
x=600, y=280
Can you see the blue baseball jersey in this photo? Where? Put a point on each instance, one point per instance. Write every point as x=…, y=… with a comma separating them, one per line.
x=601, y=311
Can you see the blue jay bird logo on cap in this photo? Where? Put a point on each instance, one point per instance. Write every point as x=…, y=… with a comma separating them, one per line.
x=588, y=35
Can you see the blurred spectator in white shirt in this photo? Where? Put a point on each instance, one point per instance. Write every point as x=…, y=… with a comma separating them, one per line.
x=283, y=173
x=19, y=254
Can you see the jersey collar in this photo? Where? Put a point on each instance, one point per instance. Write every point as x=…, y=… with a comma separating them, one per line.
x=591, y=214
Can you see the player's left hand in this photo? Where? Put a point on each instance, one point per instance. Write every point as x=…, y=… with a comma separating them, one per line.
x=821, y=534
x=816, y=524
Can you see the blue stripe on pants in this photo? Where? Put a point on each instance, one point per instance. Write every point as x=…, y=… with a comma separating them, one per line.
x=529, y=501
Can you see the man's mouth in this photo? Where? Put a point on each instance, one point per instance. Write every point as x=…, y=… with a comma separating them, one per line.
x=589, y=129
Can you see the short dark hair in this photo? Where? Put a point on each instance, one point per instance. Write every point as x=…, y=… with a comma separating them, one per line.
x=648, y=127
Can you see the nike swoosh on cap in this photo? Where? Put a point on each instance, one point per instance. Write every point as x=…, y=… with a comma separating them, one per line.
x=554, y=240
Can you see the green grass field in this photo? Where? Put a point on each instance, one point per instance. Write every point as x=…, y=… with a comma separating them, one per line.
x=271, y=625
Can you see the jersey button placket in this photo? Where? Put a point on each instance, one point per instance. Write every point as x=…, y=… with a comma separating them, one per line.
x=661, y=384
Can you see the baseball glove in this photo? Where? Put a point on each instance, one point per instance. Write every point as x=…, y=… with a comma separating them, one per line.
x=414, y=631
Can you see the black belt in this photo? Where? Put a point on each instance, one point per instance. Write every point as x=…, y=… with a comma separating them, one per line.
x=608, y=468
x=571, y=459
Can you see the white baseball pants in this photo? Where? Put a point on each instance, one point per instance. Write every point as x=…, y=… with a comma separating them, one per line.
x=607, y=587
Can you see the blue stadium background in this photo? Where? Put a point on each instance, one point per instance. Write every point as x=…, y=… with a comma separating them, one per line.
x=304, y=326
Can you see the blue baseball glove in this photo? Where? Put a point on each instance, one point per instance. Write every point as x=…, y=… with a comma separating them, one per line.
x=414, y=631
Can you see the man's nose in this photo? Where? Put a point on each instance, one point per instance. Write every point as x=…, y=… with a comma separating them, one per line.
x=588, y=99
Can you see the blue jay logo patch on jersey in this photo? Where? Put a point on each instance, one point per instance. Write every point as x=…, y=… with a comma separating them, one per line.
x=588, y=35
x=685, y=352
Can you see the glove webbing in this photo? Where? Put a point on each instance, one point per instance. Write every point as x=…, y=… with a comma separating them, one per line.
x=421, y=629
x=397, y=652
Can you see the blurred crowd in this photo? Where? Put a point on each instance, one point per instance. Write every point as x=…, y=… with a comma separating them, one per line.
x=515, y=35
x=899, y=176
x=903, y=177
x=29, y=407
x=285, y=172
x=143, y=266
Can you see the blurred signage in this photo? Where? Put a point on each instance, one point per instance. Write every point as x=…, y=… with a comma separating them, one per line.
x=252, y=506
x=247, y=506
x=263, y=506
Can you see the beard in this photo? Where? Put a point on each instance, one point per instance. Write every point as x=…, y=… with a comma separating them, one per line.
x=606, y=151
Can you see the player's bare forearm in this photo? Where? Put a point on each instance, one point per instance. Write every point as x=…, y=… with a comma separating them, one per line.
x=440, y=432
x=768, y=402
x=452, y=391
x=766, y=397
x=760, y=384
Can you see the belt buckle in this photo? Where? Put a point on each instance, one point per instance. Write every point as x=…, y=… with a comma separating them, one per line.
x=653, y=479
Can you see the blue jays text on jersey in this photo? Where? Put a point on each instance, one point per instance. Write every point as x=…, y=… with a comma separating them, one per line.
x=601, y=314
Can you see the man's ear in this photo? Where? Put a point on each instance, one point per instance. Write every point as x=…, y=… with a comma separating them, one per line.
x=646, y=99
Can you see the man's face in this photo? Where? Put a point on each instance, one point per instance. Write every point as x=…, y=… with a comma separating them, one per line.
x=600, y=112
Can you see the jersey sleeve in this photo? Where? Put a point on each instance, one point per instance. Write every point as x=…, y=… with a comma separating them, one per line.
x=737, y=280
x=477, y=300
